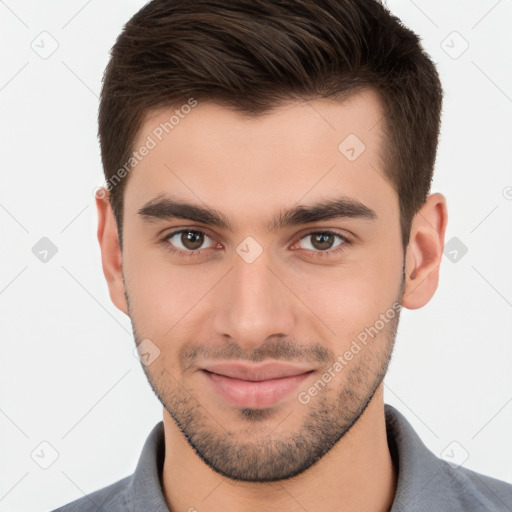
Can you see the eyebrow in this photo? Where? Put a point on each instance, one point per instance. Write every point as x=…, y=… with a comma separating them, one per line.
x=165, y=208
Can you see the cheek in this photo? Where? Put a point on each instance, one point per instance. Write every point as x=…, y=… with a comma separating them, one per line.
x=165, y=302
x=163, y=296
x=351, y=297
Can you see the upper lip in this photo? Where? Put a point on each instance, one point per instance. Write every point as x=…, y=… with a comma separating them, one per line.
x=256, y=372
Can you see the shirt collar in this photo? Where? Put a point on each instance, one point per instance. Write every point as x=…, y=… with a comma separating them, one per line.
x=145, y=491
x=420, y=473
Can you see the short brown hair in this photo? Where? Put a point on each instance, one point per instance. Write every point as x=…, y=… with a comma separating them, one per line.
x=253, y=55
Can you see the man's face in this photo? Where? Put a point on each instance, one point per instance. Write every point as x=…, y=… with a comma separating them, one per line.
x=255, y=290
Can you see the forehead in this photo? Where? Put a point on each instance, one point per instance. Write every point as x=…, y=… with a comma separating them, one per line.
x=300, y=152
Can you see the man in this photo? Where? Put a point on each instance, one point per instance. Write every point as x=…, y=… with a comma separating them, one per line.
x=267, y=214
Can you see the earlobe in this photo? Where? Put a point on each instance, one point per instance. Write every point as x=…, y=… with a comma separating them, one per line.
x=111, y=256
x=424, y=252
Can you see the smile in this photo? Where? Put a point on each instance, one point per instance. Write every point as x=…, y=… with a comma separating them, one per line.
x=254, y=387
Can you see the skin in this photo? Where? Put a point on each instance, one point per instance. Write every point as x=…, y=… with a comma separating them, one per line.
x=330, y=453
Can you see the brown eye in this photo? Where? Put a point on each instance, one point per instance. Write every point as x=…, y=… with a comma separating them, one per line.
x=187, y=240
x=322, y=241
x=192, y=239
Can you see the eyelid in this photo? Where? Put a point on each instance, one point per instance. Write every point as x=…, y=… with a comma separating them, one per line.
x=343, y=234
x=332, y=252
x=175, y=232
x=345, y=240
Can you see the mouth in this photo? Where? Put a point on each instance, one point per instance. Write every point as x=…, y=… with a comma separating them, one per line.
x=254, y=386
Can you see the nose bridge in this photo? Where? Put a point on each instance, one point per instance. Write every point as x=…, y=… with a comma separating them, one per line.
x=254, y=303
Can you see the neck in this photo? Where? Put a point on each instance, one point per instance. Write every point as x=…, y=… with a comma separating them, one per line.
x=357, y=474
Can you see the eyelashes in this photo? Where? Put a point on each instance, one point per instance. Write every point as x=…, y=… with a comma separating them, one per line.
x=203, y=236
x=190, y=252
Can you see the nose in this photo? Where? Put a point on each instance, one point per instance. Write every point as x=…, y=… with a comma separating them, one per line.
x=253, y=304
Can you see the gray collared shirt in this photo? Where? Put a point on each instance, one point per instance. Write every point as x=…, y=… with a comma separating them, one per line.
x=425, y=482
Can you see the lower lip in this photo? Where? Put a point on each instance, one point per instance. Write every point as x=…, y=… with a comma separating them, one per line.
x=252, y=394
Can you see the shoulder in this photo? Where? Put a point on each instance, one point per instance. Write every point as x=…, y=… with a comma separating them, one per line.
x=111, y=498
x=430, y=484
x=474, y=491
x=139, y=491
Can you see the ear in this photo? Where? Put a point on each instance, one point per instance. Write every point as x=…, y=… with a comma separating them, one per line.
x=111, y=256
x=424, y=252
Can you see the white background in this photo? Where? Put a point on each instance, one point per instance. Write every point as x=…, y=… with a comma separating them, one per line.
x=68, y=375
